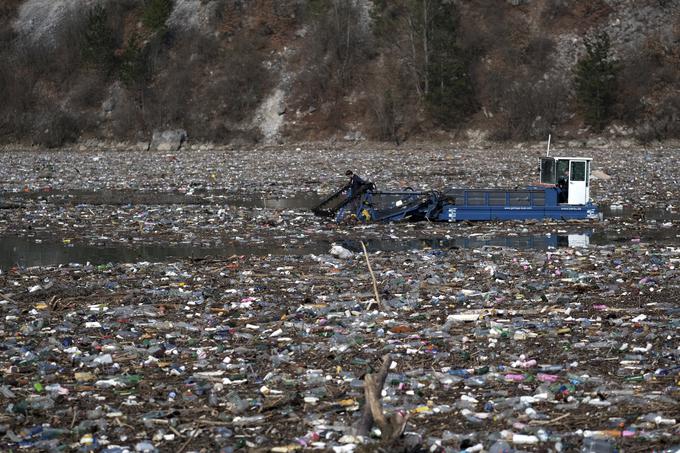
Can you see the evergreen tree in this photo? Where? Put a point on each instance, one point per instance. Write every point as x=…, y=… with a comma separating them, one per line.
x=450, y=96
x=132, y=68
x=156, y=12
x=99, y=42
x=595, y=80
x=423, y=33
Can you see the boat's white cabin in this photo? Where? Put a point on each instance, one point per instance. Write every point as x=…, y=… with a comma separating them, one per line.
x=572, y=174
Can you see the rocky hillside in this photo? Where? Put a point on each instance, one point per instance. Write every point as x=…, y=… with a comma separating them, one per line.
x=288, y=70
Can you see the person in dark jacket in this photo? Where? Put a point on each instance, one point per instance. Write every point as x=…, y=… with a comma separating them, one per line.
x=563, y=184
x=355, y=182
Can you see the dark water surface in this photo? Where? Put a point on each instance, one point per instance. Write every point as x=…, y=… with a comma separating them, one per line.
x=27, y=252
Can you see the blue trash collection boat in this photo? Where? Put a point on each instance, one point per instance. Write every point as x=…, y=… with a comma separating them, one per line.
x=563, y=193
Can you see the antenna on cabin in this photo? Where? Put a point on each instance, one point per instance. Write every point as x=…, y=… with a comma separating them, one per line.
x=547, y=151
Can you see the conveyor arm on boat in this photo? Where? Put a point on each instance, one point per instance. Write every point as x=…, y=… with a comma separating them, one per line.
x=395, y=206
x=336, y=201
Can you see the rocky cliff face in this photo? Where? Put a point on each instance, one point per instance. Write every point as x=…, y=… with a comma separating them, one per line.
x=265, y=70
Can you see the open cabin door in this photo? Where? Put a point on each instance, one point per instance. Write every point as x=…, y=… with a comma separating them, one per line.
x=578, y=182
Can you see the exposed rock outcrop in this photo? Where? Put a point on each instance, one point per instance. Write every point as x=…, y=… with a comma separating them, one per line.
x=41, y=21
x=169, y=140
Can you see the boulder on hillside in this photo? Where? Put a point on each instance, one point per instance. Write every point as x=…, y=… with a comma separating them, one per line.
x=170, y=140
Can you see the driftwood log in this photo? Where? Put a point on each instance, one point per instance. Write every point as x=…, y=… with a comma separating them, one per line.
x=391, y=426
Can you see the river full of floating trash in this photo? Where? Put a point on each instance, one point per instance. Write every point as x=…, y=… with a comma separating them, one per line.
x=262, y=327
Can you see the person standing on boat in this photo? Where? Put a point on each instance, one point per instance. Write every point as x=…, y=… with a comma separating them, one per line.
x=563, y=184
x=354, y=183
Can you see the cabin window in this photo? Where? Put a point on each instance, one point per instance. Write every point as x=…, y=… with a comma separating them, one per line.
x=587, y=173
x=562, y=168
x=548, y=171
x=578, y=171
x=519, y=199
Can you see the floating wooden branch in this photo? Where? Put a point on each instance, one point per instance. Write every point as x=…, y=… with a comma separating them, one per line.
x=391, y=426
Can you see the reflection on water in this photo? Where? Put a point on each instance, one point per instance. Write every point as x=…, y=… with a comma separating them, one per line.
x=26, y=252
x=627, y=212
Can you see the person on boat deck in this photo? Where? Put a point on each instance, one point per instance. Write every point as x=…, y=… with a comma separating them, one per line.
x=354, y=182
x=563, y=184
